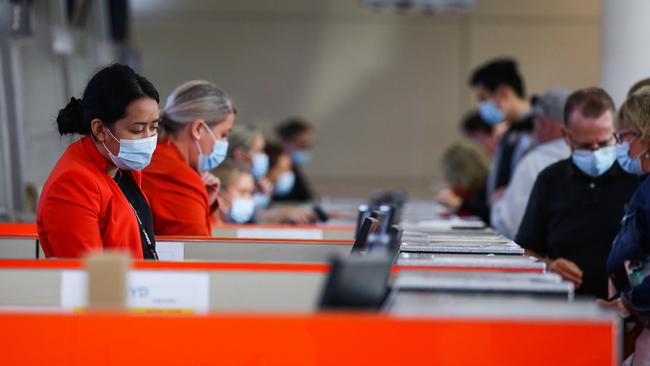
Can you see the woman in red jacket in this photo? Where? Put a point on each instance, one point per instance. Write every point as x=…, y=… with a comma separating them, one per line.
x=92, y=199
x=196, y=121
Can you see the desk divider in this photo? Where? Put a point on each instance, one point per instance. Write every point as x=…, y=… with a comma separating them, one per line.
x=165, y=285
x=252, y=286
x=266, y=231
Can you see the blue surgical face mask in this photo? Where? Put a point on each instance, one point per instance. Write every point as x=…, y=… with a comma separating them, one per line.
x=300, y=157
x=260, y=165
x=134, y=154
x=629, y=164
x=261, y=200
x=284, y=184
x=491, y=113
x=595, y=163
x=241, y=210
x=215, y=157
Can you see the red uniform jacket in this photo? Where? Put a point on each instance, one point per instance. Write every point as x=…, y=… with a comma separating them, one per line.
x=178, y=197
x=82, y=209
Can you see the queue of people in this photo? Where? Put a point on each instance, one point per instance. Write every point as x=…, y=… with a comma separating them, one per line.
x=566, y=182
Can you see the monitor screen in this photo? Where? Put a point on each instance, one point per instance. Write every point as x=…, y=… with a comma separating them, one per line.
x=359, y=282
x=369, y=226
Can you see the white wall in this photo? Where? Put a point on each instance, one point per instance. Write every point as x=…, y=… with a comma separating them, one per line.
x=384, y=90
x=625, y=45
x=42, y=85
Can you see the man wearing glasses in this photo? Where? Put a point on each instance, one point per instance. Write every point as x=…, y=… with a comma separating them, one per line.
x=576, y=204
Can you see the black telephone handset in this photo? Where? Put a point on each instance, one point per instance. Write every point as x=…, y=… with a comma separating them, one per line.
x=322, y=215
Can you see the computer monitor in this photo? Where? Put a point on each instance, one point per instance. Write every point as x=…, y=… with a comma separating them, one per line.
x=385, y=214
x=369, y=226
x=359, y=282
x=394, y=198
x=381, y=217
x=363, y=212
x=395, y=234
x=389, y=212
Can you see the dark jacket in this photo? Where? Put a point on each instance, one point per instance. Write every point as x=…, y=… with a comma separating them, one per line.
x=633, y=244
x=301, y=191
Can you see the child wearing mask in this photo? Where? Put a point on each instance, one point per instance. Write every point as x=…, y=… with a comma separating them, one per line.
x=236, y=204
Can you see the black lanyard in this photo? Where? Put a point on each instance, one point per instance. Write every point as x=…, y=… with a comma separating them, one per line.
x=150, y=245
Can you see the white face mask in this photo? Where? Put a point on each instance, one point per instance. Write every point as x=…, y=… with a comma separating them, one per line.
x=284, y=184
x=260, y=165
x=218, y=154
x=133, y=154
x=241, y=210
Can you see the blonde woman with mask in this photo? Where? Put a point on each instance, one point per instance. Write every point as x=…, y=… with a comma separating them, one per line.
x=195, y=124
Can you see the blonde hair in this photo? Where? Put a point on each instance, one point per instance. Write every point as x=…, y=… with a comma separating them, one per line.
x=635, y=113
x=196, y=99
x=638, y=85
x=465, y=166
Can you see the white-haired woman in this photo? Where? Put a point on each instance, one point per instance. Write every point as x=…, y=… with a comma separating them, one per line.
x=183, y=194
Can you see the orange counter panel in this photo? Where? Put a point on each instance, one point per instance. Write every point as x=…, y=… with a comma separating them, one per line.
x=18, y=230
x=233, y=266
x=116, y=339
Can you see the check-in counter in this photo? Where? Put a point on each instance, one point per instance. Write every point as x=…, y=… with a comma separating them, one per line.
x=251, y=250
x=542, y=315
x=18, y=241
x=485, y=234
x=465, y=282
x=178, y=286
x=419, y=239
x=426, y=245
x=17, y=247
x=312, y=232
x=436, y=224
x=437, y=335
x=222, y=285
x=471, y=262
x=210, y=249
x=23, y=244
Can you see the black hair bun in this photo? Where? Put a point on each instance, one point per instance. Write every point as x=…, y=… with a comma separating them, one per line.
x=70, y=118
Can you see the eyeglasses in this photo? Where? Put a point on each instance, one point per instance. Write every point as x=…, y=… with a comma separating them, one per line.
x=625, y=135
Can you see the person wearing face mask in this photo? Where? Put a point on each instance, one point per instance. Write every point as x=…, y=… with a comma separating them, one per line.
x=281, y=174
x=236, y=203
x=499, y=89
x=282, y=179
x=296, y=138
x=195, y=124
x=506, y=212
x=576, y=205
x=481, y=133
x=629, y=260
x=246, y=147
x=92, y=199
